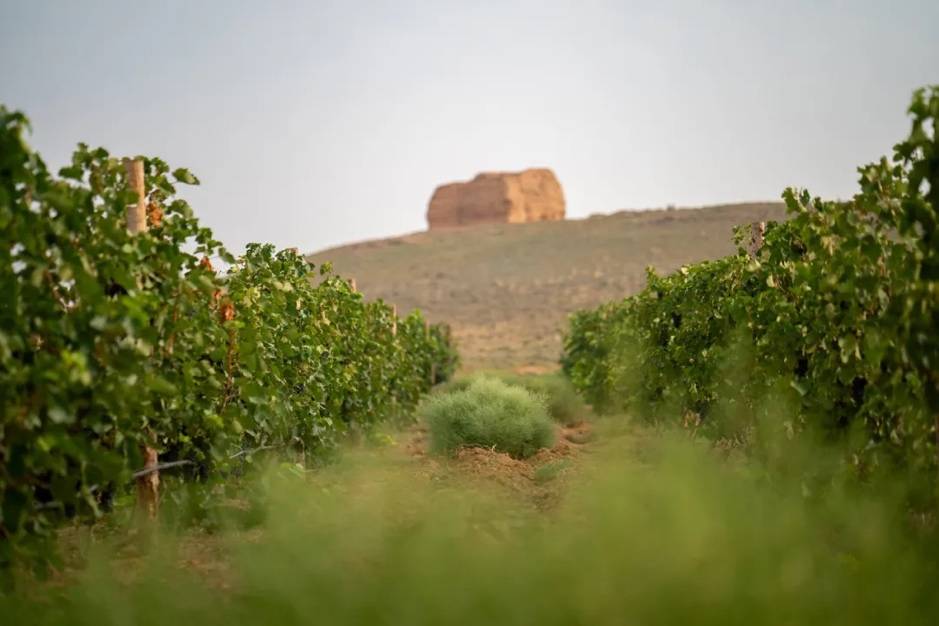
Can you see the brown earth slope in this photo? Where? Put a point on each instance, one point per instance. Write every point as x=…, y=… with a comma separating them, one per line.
x=507, y=288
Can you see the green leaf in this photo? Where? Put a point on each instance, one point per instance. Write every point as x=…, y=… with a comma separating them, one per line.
x=183, y=175
x=58, y=415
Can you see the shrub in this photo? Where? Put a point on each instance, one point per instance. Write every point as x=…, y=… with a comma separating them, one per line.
x=491, y=414
x=560, y=398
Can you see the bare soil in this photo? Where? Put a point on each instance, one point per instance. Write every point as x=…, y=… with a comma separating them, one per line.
x=517, y=477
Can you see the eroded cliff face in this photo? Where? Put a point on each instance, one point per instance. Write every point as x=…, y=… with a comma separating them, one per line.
x=533, y=195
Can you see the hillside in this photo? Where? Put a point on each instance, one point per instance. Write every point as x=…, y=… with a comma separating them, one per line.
x=506, y=289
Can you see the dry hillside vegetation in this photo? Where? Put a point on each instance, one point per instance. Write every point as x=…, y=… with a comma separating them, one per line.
x=507, y=289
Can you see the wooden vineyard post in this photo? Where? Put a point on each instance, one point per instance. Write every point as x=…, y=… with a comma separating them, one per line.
x=394, y=320
x=148, y=485
x=136, y=213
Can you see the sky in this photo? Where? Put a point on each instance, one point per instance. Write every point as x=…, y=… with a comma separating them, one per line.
x=313, y=124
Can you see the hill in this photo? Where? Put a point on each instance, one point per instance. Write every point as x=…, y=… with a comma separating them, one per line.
x=507, y=288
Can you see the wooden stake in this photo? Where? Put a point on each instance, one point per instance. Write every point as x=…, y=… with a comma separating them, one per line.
x=148, y=486
x=136, y=213
x=394, y=320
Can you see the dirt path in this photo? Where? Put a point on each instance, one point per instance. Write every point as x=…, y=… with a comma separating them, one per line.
x=540, y=479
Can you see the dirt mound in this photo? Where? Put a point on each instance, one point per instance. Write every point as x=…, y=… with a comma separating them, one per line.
x=533, y=195
x=531, y=479
x=569, y=442
x=495, y=466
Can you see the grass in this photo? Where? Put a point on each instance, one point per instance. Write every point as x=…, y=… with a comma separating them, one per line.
x=680, y=537
x=488, y=413
x=550, y=470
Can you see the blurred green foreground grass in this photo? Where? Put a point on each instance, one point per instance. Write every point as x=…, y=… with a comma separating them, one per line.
x=654, y=529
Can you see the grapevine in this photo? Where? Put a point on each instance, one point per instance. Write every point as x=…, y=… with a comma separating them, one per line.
x=833, y=318
x=111, y=343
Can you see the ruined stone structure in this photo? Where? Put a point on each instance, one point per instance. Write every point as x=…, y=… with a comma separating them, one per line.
x=533, y=195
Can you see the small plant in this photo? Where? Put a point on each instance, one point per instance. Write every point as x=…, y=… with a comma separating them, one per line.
x=491, y=414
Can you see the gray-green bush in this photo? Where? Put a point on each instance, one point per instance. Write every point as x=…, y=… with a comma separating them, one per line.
x=491, y=414
x=560, y=397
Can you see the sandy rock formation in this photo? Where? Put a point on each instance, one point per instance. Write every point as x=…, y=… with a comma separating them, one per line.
x=533, y=195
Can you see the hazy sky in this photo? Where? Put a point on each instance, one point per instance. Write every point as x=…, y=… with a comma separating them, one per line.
x=318, y=123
